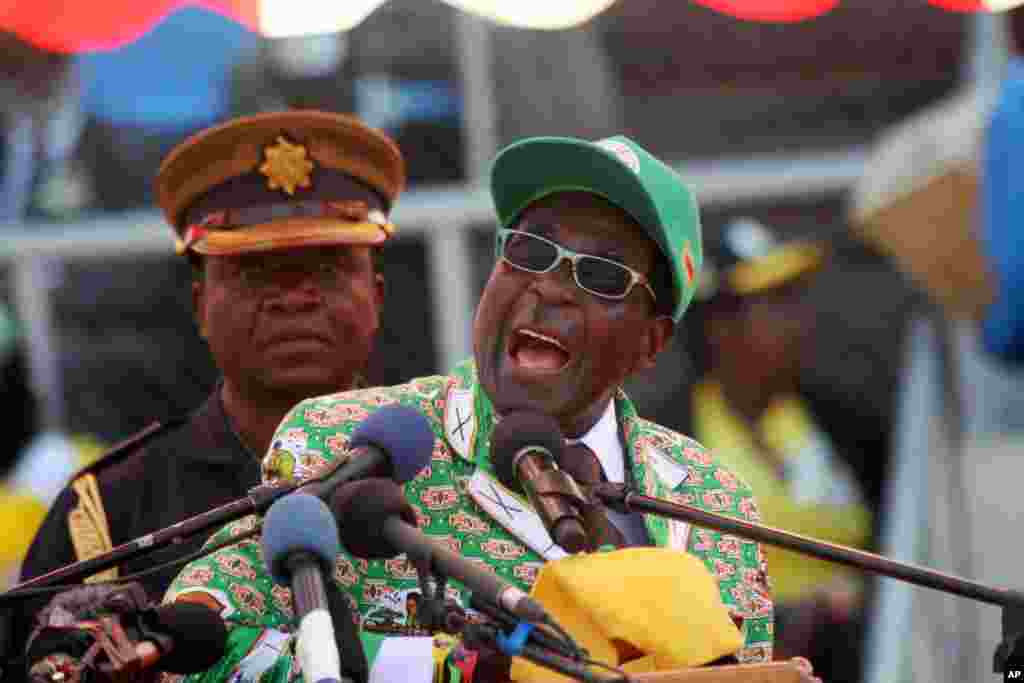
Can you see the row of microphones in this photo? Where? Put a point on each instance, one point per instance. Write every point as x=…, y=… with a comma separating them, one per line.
x=366, y=511
x=373, y=519
x=377, y=522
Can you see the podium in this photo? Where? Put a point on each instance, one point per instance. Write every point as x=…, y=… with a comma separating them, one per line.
x=774, y=672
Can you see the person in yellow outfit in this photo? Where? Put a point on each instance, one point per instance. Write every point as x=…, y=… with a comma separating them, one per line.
x=747, y=409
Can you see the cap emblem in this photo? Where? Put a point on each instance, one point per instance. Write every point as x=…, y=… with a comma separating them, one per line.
x=286, y=166
x=623, y=152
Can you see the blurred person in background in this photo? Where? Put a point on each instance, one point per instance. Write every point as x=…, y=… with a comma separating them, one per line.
x=755, y=325
x=36, y=463
x=1002, y=207
x=282, y=217
x=939, y=196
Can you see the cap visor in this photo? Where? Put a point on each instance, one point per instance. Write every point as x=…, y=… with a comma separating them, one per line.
x=291, y=233
x=776, y=269
x=539, y=167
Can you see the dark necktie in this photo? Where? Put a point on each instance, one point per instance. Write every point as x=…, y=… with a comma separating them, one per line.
x=582, y=465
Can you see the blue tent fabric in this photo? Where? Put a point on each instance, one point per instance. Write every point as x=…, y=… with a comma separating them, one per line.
x=1003, y=218
x=174, y=78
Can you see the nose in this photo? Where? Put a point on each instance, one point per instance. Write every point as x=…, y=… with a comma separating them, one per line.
x=294, y=294
x=556, y=286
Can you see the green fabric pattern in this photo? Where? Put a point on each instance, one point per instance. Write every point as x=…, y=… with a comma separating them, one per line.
x=316, y=431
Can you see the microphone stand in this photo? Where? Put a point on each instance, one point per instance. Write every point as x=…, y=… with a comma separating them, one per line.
x=620, y=498
x=257, y=501
x=503, y=633
x=515, y=645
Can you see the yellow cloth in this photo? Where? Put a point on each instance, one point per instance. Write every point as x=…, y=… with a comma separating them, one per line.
x=23, y=510
x=21, y=514
x=663, y=603
x=788, y=428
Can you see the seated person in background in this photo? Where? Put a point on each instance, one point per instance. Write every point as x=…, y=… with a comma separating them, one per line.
x=748, y=411
x=598, y=248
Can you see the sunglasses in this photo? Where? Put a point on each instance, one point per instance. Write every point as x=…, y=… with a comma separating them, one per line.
x=600, y=276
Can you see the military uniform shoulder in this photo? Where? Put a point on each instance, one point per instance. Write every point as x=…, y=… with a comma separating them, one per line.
x=129, y=446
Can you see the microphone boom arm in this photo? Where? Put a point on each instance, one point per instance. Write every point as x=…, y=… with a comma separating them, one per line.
x=259, y=499
x=620, y=498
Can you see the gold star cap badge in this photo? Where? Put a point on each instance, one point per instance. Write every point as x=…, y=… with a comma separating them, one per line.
x=286, y=166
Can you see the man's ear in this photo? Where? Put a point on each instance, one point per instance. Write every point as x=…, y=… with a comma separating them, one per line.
x=658, y=333
x=199, y=305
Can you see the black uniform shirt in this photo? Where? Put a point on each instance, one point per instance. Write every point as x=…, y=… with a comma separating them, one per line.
x=176, y=474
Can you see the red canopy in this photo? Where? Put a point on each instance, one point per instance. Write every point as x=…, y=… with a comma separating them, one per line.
x=89, y=25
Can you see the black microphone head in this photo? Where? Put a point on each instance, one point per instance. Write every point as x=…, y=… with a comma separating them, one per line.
x=361, y=506
x=199, y=635
x=520, y=430
x=297, y=523
x=403, y=434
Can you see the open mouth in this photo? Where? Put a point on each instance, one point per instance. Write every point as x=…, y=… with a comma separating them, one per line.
x=533, y=350
x=298, y=339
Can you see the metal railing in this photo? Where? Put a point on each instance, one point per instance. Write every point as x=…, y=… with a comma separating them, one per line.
x=442, y=216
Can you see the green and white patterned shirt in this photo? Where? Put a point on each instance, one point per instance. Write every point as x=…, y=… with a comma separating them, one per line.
x=459, y=500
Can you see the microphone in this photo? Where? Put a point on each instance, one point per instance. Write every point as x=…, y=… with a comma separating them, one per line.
x=394, y=442
x=377, y=522
x=525, y=451
x=194, y=637
x=300, y=543
x=182, y=638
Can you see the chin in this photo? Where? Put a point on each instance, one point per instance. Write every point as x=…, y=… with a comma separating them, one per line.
x=308, y=382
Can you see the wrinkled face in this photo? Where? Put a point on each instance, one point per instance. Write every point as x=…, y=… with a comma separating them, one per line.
x=542, y=343
x=299, y=322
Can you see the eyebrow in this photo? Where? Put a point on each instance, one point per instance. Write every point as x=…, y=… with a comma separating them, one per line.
x=549, y=230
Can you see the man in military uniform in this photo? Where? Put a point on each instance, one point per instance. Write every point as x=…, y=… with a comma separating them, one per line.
x=282, y=216
x=598, y=250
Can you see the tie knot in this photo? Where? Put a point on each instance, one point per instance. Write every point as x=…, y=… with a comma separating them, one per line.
x=581, y=463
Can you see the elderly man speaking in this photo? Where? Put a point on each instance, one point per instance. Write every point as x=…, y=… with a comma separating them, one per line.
x=598, y=251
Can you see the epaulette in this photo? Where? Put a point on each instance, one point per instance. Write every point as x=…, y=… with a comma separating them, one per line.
x=128, y=445
x=87, y=522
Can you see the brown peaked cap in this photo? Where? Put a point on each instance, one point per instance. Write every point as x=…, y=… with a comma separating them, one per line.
x=280, y=180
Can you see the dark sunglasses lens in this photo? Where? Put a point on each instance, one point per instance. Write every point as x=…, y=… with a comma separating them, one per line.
x=603, y=277
x=528, y=252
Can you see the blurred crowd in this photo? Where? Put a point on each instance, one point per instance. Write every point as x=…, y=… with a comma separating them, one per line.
x=851, y=358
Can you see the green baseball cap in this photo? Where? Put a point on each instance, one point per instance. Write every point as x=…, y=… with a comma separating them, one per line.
x=620, y=171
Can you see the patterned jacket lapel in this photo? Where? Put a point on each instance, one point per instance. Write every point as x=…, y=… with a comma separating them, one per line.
x=657, y=475
x=653, y=471
x=462, y=429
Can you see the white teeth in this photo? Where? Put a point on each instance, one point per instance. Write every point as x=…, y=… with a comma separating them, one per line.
x=542, y=337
